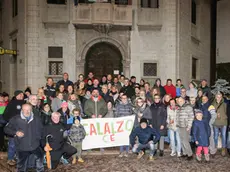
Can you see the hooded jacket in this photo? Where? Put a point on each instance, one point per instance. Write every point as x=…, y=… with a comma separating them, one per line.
x=32, y=129
x=144, y=135
x=12, y=109
x=98, y=107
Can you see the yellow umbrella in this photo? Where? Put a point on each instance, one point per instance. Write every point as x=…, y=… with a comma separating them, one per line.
x=48, y=149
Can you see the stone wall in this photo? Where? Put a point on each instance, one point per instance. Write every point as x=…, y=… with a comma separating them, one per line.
x=223, y=28
x=190, y=46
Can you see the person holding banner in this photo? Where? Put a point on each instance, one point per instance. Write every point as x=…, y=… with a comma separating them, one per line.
x=124, y=108
x=147, y=138
x=95, y=107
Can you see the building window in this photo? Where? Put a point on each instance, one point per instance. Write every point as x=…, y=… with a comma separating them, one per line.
x=55, y=52
x=56, y=1
x=150, y=3
x=194, y=68
x=150, y=69
x=14, y=8
x=122, y=2
x=193, y=12
x=56, y=64
x=55, y=67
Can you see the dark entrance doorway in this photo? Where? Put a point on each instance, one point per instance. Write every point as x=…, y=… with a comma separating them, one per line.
x=102, y=59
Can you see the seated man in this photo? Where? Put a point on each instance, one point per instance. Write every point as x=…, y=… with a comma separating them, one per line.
x=27, y=131
x=56, y=140
x=147, y=138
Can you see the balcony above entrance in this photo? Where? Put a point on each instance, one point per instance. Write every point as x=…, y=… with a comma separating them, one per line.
x=110, y=14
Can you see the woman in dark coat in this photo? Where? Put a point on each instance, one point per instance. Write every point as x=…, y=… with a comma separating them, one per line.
x=46, y=114
x=161, y=88
x=158, y=121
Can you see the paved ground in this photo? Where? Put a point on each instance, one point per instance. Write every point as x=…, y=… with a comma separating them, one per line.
x=112, y=163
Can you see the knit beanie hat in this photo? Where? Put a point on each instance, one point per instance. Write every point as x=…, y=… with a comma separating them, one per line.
x=194, y=84
x=17, y=92
x=197, y=111
x=144, y=120
x=64, y=104
x=28, y=90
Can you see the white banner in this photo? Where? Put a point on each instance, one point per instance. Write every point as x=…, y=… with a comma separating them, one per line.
x=107, y=132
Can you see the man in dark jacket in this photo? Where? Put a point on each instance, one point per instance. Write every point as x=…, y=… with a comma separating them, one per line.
x=26, y=129
x=105, y=94
x=54, y=134
x=206, y=89
x=66, y=82
x=49, y=90
x=158, y=121
x=147, y=137
x=13, y=109
x=127, y=89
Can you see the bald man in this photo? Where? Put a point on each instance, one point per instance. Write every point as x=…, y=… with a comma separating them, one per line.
x=26, y=129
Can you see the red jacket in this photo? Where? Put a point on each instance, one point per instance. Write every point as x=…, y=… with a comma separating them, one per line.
x=170, y=90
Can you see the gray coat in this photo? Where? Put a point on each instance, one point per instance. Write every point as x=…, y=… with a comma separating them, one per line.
x=185, y=116
x=76, y=133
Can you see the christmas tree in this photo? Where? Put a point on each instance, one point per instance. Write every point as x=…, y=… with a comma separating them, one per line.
x=221, y=85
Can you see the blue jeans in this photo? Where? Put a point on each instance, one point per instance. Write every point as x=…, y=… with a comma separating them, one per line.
x=124, y=147
x=11, y=149
x=139, y=147
x=175, y=141
x=222, y=130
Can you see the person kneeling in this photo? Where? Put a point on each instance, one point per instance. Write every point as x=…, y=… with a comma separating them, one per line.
x=147, y=138
x=56, y=140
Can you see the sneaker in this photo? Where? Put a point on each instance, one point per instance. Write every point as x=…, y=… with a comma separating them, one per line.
x=151, y=158
x=64, y=161
x=178, y=154
x=126, y=154
x=121, y=155
x=11, y=162
x=173, y=154
x=207, y=158
x=80, y=160
x=140, y=154
x=223, y=151
x=74, y=160
x=198, y=158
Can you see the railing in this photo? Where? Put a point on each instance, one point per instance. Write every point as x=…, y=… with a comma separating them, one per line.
x=102, y=13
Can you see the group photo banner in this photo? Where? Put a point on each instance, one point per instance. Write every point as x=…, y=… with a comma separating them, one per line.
x=107, y=132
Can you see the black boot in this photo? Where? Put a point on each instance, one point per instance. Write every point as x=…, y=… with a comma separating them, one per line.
x=189, y=158
x=161, y=153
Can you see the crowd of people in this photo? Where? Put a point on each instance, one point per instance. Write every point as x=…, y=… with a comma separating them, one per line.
x=192, y=118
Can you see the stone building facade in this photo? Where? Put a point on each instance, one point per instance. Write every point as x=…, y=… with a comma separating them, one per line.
x=223, y=28
x=147, y=39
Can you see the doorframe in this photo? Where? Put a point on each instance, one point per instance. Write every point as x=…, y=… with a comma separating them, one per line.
x=115, y=49
x=124, y=50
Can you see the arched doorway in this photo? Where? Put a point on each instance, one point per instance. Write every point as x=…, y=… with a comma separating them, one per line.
x=103, y=58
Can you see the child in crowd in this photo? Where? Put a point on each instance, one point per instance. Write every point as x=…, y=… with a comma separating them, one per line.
x=75, y=113
x=201, y=134
x=147, y=138
x=76, y=135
